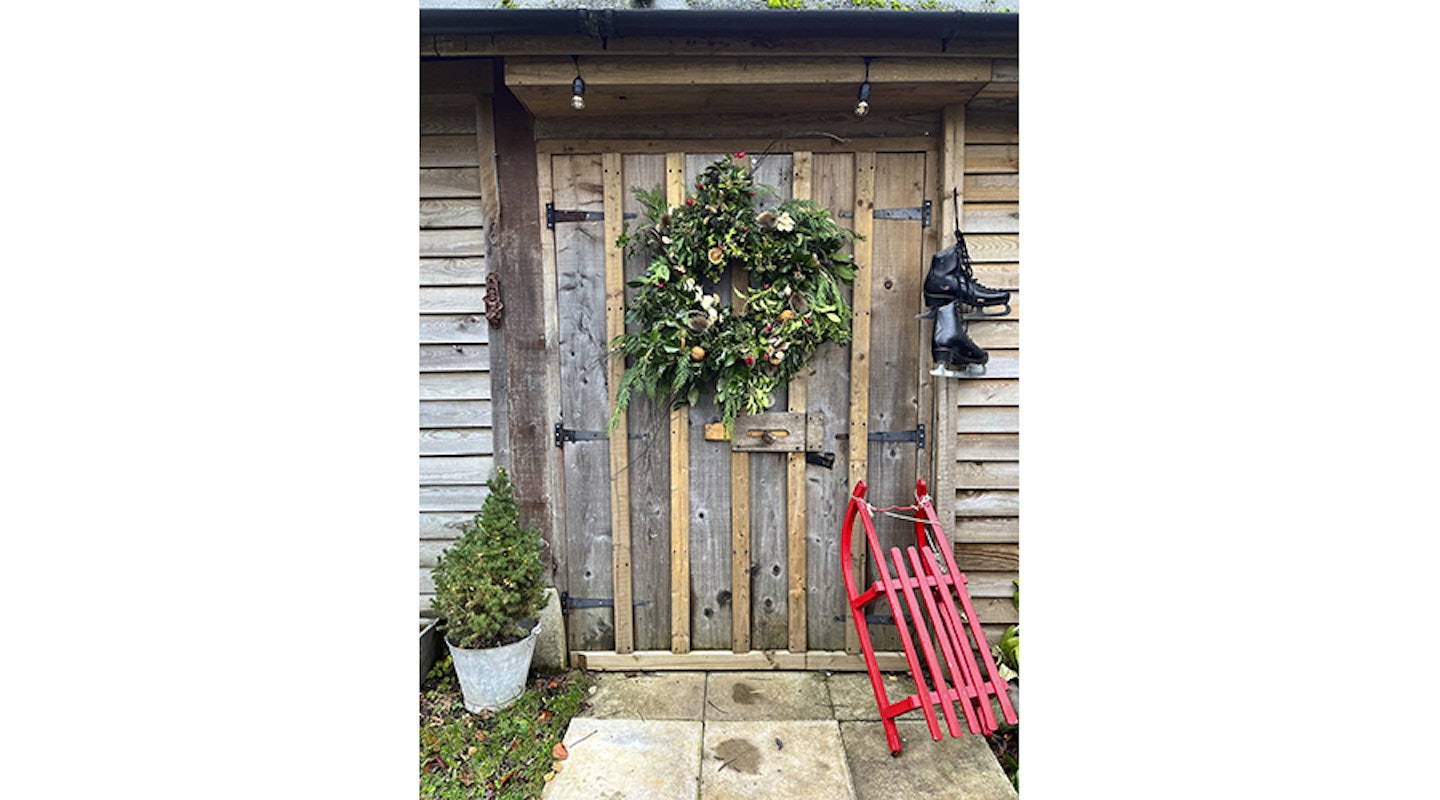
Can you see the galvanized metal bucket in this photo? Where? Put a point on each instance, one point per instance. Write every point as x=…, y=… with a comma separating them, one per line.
x=494, y=677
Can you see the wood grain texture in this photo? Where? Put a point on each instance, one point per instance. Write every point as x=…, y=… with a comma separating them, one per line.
x=455, y=414
x=584, y=398
x=987, y=475
x=461, y=212
x=992, y=158
x=711, y=592
x=459, y=150
x=457, y=441
x=987, y=419
x=447, y=114
x=857, y=445
x=454, y=329
x=454, y=358
x=455, y=386
x=453, y=498
x=828, y=395
x=801, y=166
x=449, y=182
x=769, y=534
x=988, y=447
x=455, y=470
x=649, y=467
x=765, y=128
x=992, y=126
x=679, y=469
x=453, y=272
x=452, y=300
x=619, y=444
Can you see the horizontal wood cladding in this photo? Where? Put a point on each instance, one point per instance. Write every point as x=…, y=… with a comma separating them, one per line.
x=443, y=525
x=463, y=212
x=449, y=182
x=991, y=126
x=982, y=392
x=456, y=272
x=993, y=530
x=452, y=243
x=456, y=470
x=989, y=556
x=992, y=188
x=987, y=419
x=991, y=158
x=447, y=114
x=987, y=503
x=454, y=358
x=987, y=475
x=456, y=442
x=455, y=414
x=455, y=386
x=454, y=329
x=453, y=498
x=455, y=299
x=458, y=150
x=988, y=446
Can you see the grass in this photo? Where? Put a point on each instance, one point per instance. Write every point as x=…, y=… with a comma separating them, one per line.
x=506, y=755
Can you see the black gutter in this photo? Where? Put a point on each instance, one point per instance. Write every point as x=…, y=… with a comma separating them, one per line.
x=758, y=23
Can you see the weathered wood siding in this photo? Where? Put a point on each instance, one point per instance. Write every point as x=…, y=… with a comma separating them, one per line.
x=458, y=409
x=986, y=420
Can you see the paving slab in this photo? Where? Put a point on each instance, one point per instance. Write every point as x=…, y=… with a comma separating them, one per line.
x=628, y=759
x=853, y=699
x=767, y=696
x=776, y=759
x=951, y=769
x=648, y=695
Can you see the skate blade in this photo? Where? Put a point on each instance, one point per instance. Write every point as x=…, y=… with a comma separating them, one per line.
x=981, y=314
x=970, y=371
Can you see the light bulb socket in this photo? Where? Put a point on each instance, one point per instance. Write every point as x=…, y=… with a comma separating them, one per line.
x=862, y=106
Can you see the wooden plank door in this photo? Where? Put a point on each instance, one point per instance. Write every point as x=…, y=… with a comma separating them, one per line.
x=757, y=564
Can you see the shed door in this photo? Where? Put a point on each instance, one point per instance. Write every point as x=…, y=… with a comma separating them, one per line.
x=677, y=544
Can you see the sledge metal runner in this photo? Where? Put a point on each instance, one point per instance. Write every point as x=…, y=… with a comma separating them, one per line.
x=926, y=594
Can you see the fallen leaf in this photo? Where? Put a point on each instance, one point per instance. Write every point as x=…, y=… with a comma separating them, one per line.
x=557, y=766
x=544, y=715
x=559, y=751
x=549, y=776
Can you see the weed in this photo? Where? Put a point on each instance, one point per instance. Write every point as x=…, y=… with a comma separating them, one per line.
x=505, y=754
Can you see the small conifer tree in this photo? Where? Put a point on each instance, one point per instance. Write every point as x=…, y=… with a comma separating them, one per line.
x=492, y=577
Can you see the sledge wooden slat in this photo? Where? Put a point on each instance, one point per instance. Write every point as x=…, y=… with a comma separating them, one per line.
x=857, y=459
x=619, y=445
x=679, y=469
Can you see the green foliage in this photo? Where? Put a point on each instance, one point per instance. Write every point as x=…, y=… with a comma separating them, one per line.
x=685, y=340
x=492, y=577
x=786, y=3
x=505, y=754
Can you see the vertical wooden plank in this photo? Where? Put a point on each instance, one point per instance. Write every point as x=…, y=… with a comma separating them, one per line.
x=894, y=360
x=858, y=460
x=828, y=390
x=711, y=599
x=795, y=464
x=952, y=176
x=679, y=469
x=579, y=251
x=740, y=563
x=649, y=466
x=620, y=441
x=769, y=518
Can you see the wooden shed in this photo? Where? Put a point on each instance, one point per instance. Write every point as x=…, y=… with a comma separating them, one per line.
x=671, y=548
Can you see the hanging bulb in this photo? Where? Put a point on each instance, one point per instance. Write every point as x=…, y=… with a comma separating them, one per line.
x=863, y=106
x=578, y=100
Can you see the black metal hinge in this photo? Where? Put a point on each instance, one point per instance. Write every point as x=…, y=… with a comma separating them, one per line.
x=564, y=434
x=921, y=212
x=554, y=215
x=567, y=603
x=873, y=619
x=826, y=460
x=917, y=436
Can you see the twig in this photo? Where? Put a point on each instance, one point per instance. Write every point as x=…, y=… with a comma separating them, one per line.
x=582, y=738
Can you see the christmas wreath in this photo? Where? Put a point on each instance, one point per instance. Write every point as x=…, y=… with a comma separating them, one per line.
x=685, y=340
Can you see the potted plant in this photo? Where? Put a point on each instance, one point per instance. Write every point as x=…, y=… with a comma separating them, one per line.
x=489, y=587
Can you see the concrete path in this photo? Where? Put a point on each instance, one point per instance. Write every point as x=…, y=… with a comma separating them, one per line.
x=741, y=735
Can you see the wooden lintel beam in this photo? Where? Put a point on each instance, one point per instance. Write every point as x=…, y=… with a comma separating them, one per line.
x=601, y=71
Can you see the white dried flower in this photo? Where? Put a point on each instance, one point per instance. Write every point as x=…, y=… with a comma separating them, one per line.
x=785, y=223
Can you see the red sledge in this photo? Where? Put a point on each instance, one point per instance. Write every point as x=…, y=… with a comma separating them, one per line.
x=926, y=594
